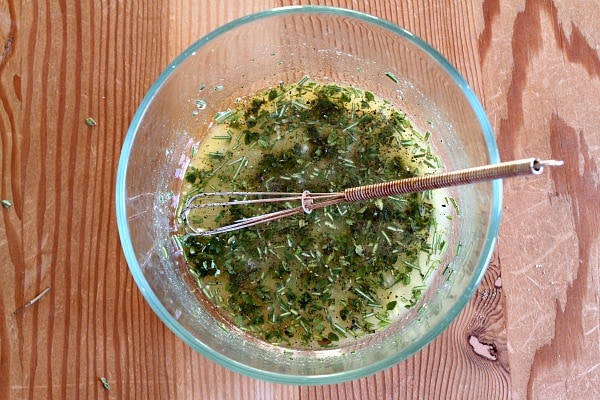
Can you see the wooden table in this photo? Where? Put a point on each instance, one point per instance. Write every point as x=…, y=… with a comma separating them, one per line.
x=530, y=331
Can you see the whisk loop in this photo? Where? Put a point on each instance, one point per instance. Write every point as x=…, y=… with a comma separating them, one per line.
x=312, y=201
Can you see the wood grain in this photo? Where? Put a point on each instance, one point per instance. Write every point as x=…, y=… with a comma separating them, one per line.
x=530, y=331
x=549, y=236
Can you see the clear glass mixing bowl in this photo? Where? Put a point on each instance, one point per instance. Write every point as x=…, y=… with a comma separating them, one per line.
x=260, y=51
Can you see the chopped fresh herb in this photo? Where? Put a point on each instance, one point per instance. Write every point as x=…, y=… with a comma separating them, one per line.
x=6, y=203
x=105, y=383
x=391, y=76
x=90, y=121
x=303, y=80
x=228, y=136
x=222, y=116
x=313, y=280
x=454, y=204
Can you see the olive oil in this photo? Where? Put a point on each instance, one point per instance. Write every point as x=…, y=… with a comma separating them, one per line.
x=315, y=280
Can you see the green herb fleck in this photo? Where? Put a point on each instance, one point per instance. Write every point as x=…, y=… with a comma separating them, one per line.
x=105, y=383
x=391, y=76
x=223, y=115
x=194, y=150
x=454, y=204
x=303, y=80
x=6, y=203
x=89, y=121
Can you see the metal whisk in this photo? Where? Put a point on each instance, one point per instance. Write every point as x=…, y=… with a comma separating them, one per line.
x=312, y=201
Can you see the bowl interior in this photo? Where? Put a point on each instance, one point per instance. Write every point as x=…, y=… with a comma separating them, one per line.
x=258, y=52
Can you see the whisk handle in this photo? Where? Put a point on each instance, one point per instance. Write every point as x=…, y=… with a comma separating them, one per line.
x=441, y=180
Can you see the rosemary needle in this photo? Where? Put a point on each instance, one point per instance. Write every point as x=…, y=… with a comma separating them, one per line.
x=105, y=383
x=32, y=301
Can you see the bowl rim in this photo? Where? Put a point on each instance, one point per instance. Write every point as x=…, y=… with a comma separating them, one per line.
x=194, y=343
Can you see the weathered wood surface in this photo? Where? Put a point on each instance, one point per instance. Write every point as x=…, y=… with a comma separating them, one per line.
x=531, y=330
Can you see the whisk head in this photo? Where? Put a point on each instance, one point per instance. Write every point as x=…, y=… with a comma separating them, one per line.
x=307, y=203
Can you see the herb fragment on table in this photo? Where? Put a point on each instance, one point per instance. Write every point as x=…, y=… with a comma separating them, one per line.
x=6, y=203
x=90, y=121
x=105, y=383
x=33, y=301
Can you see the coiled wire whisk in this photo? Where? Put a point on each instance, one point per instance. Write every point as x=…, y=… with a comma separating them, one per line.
x=312, y=201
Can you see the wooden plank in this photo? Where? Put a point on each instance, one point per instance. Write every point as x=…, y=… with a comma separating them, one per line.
x=544, y=57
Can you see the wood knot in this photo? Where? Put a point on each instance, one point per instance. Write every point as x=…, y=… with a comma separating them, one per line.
x=485, y=350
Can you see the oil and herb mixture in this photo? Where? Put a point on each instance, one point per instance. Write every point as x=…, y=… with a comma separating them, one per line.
x=314, y=280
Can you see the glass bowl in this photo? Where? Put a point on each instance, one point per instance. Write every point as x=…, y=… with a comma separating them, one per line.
x=260, y=51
